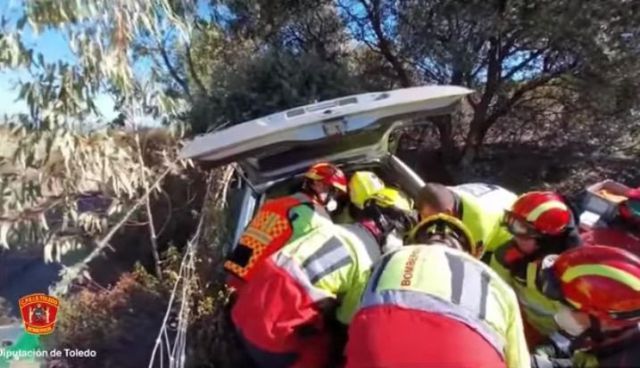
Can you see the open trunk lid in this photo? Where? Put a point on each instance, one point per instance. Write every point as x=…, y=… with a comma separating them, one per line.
x=341, y=128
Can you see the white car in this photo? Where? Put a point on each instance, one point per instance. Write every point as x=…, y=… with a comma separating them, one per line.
x=352, y=132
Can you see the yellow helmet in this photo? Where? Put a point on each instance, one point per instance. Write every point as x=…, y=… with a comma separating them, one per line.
x=362, y=185
x=391, y=210
x=391, y=198
x=446, y=226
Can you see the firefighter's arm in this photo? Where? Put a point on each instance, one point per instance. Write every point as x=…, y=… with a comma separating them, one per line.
x=517, y=351
x=352, y=296
x=500, y=269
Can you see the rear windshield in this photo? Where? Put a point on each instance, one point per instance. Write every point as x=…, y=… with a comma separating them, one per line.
x=323, y=148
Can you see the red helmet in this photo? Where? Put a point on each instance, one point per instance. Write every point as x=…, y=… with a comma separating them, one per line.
x=538, y=213
x=601, y=281
x=328, y=174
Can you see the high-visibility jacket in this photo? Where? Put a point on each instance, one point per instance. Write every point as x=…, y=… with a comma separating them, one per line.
x=277, y=222
x=537, y=308
x=322, y=273
x=481, y=208
x=437, y=279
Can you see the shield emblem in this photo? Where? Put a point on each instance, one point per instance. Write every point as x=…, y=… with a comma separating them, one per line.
x=39, y=312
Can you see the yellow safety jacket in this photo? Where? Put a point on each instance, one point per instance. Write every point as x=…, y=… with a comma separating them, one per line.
x=481, y=208
x=332, y=262
x=537, y=309
x=438, y=279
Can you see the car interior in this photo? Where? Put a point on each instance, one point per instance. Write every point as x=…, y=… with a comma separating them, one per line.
x=244, y=200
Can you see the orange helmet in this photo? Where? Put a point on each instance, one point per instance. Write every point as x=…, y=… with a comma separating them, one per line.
x=328, y=174
x=601, y=281
x=537, y=214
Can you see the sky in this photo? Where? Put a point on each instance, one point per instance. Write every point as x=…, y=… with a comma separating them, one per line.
x=54, y=47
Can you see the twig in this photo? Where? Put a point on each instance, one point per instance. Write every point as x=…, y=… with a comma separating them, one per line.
x=169, y=212
x=152, y=230
x=191, y=243
x=73, y=272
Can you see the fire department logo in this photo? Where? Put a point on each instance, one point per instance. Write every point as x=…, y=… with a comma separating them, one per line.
x=39, y=312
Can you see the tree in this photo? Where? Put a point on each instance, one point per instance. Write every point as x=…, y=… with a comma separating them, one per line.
x=503, y=50
x=109, y=41
x=271, y=56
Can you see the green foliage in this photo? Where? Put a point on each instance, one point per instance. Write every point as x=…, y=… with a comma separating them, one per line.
x=106, y=39
x=268, y=83
x=121, y=323
x=64, y=189
x=115, y=322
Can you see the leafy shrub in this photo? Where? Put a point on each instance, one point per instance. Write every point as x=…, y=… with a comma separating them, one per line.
x=122, y=323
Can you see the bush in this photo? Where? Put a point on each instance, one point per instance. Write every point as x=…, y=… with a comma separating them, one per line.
x=121, y=323
x=117, y=323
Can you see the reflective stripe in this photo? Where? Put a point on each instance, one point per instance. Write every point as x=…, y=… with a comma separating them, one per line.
x=270, y=221
x=370, y=243
x=375, y=278
x=260, y=236
x=533, y=216
x=297, y=273
x=532, y=274
x=469, y=285
x=330, y=257
x=428, y=303
x=613, y=273
x=457, y=276
x=484, y=293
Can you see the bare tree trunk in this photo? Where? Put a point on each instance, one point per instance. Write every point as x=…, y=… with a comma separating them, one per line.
x=474, y=140
x=444, y=124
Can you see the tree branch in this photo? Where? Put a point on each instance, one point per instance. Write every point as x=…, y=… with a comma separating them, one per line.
x=152, y=229
x=374, y=16
x=172, y=70
x=520, y=92
x=494, y=70
x=192, y=70
x=522, y=64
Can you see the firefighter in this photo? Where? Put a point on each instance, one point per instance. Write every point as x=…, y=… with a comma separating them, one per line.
x=283, y=220
x=289, y=312
x=436, y=304
x=599, y=287
x=479, y=206
x=541, y=224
